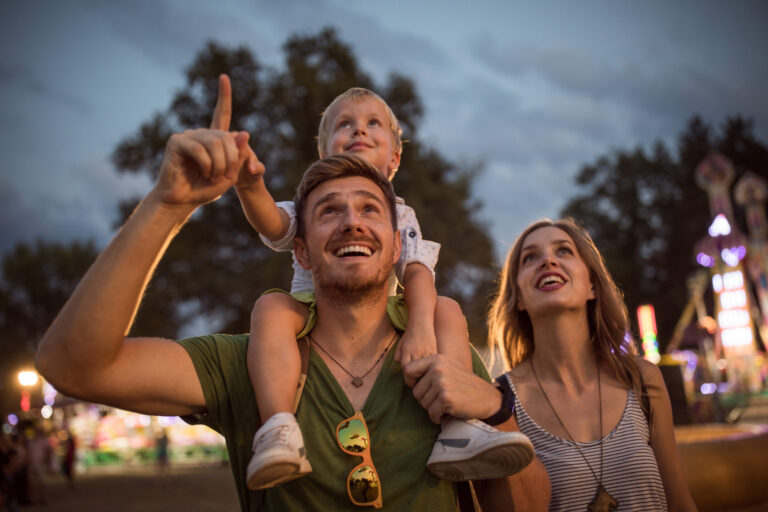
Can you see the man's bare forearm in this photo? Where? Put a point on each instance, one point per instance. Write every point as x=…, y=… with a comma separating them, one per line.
x=89, y=331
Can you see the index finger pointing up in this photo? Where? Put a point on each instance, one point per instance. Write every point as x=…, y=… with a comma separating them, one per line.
x=222, y=114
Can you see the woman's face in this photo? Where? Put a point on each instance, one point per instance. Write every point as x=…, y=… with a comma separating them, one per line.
x=551, y=277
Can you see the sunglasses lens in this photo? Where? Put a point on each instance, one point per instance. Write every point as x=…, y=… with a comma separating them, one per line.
x=353, y=436
x=363, y=485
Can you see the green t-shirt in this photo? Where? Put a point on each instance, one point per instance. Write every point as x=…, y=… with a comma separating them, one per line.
x=401, y=433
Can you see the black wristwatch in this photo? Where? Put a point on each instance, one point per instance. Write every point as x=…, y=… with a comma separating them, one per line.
x=507, y=402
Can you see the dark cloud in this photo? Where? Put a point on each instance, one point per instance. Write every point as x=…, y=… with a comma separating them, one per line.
x=15, y=78
x=490, y=122
x=171, y=33
x=644, y=87
x=76, y=203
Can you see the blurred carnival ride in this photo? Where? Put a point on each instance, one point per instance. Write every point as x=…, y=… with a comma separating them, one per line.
x=715, y=365
x=722, y=354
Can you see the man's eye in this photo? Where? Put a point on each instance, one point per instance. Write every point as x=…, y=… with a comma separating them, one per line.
x=371, y=209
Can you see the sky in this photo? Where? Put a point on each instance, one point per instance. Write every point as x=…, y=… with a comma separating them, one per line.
x=529, y=91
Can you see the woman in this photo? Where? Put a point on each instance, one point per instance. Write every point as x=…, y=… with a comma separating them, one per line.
x=599, y=416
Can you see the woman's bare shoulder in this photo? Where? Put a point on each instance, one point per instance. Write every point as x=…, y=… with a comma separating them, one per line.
x=649, y=371
x=520, y=373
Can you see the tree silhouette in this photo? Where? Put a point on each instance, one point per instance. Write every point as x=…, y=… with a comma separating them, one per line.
x=646, y=212
x=36, y=281
x=217, y=266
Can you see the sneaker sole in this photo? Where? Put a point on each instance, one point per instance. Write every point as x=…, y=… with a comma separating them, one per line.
x=272, y=475
x=278, y=473
x=493, y=462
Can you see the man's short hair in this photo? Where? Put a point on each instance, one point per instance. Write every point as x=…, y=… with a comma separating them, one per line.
x=356, y=94
x=337, y=167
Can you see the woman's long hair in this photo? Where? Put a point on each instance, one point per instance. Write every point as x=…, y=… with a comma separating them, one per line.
x=511, y=331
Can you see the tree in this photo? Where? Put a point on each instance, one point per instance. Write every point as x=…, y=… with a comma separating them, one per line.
x=646, y=212
x=217, y=266
x=36, y=281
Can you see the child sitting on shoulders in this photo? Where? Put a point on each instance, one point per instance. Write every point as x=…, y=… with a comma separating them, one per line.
x=358, y=122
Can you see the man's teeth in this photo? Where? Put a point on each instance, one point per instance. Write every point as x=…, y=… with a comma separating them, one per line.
x=551, y=280
x=356, y=249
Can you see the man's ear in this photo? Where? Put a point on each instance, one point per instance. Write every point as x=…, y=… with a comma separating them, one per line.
x=300, y=251
x=398, y=246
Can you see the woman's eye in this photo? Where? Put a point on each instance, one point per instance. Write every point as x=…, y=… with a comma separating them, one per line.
x=527, y=257
x=374, y=122
x=565, y=250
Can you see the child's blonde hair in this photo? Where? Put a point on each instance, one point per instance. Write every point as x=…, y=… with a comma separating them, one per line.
x=356, y=94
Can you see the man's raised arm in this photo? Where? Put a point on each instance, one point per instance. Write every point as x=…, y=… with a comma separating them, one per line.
x=85, y=352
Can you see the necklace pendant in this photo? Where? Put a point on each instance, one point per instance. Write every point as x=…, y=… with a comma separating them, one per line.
x=357, y=382
x=603, y=502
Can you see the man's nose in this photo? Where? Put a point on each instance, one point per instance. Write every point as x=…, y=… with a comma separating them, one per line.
x=352, y=221
x=359, y=129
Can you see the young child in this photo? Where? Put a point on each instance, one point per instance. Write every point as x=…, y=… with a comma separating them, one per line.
x=358, y=122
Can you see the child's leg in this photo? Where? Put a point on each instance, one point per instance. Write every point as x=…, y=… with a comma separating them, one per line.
x=470, y=449
x=451, y=332
x=274, y=363
x=274, y=366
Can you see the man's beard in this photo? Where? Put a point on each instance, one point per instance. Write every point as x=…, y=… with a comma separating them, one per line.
x=344, y=288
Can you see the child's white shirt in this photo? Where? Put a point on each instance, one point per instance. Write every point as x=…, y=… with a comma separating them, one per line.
x=414, y=248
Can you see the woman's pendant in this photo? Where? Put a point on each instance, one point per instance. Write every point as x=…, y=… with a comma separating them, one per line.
x=603, y=501
x=357, y=382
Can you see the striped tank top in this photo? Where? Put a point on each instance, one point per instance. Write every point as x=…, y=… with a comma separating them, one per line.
x=630, y=472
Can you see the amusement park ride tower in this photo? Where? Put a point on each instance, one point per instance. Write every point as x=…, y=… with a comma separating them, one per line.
x=726, y=252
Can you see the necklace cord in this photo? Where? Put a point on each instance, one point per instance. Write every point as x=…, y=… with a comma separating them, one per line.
x=570, y=437
x=356, y=378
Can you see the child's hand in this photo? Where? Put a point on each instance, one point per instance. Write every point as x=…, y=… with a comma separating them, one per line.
x=415, y=344
x=251, y=173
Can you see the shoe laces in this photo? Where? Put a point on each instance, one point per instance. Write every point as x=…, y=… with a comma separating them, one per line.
x=481, y=425
x=275, y=435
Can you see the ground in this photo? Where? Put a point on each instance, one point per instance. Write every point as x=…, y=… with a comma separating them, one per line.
x=192, y=490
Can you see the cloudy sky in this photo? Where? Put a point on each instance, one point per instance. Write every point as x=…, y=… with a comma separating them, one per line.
x=534, y=90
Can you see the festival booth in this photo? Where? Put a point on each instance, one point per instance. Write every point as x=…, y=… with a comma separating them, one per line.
x=110, y=439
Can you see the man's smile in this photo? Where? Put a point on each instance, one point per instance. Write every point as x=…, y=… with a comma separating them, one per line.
x=353, y=250
x=353, y=246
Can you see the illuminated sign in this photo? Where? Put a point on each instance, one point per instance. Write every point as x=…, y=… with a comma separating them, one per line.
x=733, y=317
x=646, y=321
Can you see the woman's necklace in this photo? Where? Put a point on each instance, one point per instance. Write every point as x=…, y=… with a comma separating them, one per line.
x=357, y=380
x=603, y=501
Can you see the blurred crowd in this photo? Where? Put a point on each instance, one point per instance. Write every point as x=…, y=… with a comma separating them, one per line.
x=26, y=455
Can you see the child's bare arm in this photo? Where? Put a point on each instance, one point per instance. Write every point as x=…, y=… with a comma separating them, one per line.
x=421, y=298
x=258, y=205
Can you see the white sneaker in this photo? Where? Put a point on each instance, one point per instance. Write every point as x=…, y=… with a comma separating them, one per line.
x=473, y=450
x=278, y=453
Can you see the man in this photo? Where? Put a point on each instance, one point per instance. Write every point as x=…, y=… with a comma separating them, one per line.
x=348, y=239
